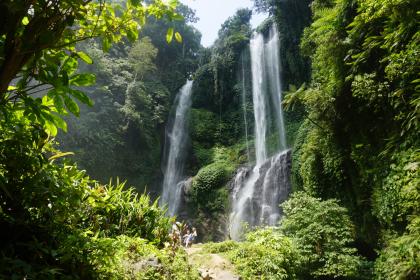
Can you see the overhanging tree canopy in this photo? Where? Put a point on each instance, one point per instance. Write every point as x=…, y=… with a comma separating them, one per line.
x=38, y=54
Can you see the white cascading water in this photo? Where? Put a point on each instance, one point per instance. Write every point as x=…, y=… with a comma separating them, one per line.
x=258, y=191
x=258, y=96
x=244, y=110
x=274, y=83
x=177, y=136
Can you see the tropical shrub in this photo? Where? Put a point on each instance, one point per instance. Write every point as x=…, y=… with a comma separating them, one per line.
x=56, y=221
x=221, y=247
x=204, y=126
x=323, y=233
x=399, y=194
x=400, y=258
x=210, y=177
x=265, y=254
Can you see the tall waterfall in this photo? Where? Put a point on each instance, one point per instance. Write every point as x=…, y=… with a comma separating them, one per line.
x=274, y=83
x=257, y=191
x=178, y=136
x=258, y=96
x=244, y=109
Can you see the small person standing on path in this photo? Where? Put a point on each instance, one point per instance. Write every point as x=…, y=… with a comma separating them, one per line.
x=186, y=238
x=190, y=238
x=193, y=235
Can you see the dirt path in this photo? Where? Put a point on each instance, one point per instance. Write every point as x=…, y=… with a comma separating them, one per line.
x=211, y=266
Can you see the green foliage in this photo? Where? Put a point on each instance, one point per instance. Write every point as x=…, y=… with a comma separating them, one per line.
x=157, y=264
x=208, y=196
x=204, y=126
x=361, y=102
x=400, y=258
x=265, y=254
x=175, y=61
x=214, y=87
x=209, y=178
x=142, y=57
x=136, y=84
x=314, y=241
x=38, y=45
x=396, y=200
x=57, y=221
x=321, y=164
x=221, y=247
x=323, y=233
x=217, y=173
x=297, y=182
x=202, y=155
x=395, y=43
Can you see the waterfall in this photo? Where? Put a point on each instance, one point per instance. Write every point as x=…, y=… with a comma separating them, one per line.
x=273, y=66
x=257, y=191
x=177, y=140
x=258, y=96
x=244, y=109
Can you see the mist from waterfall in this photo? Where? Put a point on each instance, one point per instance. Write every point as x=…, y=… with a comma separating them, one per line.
x=257, y=191
x=176, y=144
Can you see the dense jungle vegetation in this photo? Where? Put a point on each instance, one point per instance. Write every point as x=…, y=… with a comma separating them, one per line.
x=87, y=88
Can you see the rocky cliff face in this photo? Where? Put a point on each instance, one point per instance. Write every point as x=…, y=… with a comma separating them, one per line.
x=268, y=185
x=256, y=193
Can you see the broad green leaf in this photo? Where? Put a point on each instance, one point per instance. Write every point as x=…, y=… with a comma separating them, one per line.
x=65, y=78
x=59, y=122
x=81, y=96
x=61, y=154
x=173, y=3
x=178, y=37
x=106, y=44
x=59, y=104
x=11, y=88
x=83, y=56
x=50, y=128
x=25, y=21
x=72, y=106
x=46, y=101
x=177, y=17
x=70, y=65
x=85, y=79
x=132, y=34
x=169, y=34
x=142, y=20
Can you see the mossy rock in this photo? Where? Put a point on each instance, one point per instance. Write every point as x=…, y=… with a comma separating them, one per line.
x=211, y=177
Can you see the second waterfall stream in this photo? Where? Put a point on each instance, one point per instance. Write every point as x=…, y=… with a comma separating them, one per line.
x=176, y=145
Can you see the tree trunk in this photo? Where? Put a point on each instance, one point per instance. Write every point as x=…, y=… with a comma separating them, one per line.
x=12, y=64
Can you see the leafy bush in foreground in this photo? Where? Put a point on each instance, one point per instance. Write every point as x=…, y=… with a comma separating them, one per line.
x=221, y=247
x=265, y=254
x=323, y=233
x=58, y=223
x=313, y=242
x=400, y=259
